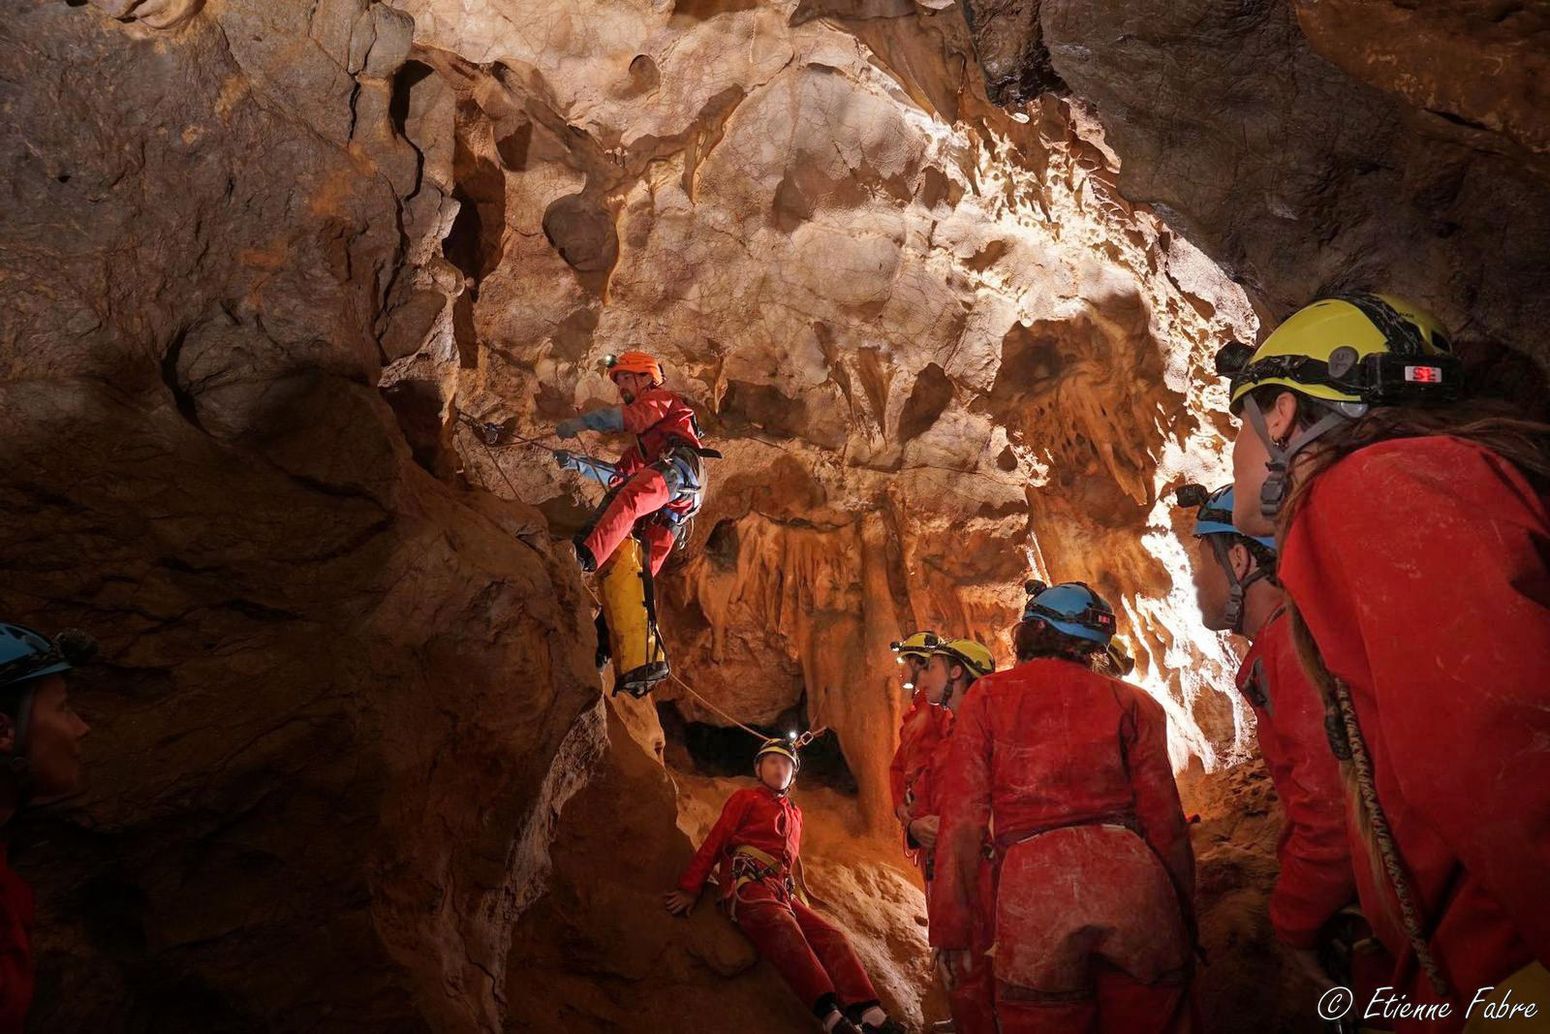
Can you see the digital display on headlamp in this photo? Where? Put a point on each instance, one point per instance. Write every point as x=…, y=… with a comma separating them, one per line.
x=1388, y=379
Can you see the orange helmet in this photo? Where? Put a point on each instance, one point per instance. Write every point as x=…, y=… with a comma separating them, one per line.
x=633, y=362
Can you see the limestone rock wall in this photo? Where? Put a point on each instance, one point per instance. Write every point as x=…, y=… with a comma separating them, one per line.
x=1318, y=146
x=940, y=350
x=342, y=701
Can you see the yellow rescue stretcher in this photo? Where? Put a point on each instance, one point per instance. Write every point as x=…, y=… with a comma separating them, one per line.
x=630, y=611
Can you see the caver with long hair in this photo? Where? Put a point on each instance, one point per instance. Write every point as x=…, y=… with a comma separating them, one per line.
x=1414, y=539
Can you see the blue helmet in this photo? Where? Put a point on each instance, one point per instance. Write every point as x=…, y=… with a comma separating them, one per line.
x=26, y=654
x=1213, y=514
x=1072, y=608
x=1213, y=517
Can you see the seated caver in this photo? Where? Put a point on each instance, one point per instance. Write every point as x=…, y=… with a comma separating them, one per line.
x=754, y=848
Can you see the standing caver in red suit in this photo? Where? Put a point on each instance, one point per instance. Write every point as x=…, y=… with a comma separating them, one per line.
x=1093, y=903
x=1457, y=722
x=953, y=671
x=1415, y=548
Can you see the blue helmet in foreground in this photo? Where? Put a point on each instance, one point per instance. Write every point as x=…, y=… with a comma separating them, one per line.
x=1071, y=608
x=26, y=654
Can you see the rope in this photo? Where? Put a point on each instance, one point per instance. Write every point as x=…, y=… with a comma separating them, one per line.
x=800, y=742
x=496, y=463
x=1410, y=913
x=761, y=737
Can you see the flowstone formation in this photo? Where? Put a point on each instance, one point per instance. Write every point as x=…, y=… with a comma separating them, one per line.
x=939, y=349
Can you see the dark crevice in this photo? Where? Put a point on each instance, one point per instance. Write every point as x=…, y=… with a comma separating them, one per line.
x=727, y=751
x=929, y=399
x=183, y=398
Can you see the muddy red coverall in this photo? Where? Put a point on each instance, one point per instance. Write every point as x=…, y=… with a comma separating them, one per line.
x=919, y=733
x=813, y=956
x=1419, y=566
x=659, y=419
x=16, y=961
x=1095, y=869
x=972, y=998
x=1316, y=880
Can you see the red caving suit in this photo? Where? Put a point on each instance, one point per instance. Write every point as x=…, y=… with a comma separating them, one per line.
x=1095, y=883
x=919, y=733
x=972, y=997
x=1420, y=568
x=1316, y=880
x=659, y=419
x=16, y=961
x=813, y=956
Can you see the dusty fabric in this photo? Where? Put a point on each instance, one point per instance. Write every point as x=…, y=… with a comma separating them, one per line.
x=643, y=494
x=1118, y=1005
x=1045, y=745
x=1316, y=880
x=919, y=733
x=812, y=955
x=17, y=964
x=1420, y=569
x=756, y=818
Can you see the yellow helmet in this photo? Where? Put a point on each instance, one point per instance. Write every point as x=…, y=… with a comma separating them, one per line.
x=1351, y=351
x=786, y=748
x=1348, y=353
x=968, y=653
x=920, y=644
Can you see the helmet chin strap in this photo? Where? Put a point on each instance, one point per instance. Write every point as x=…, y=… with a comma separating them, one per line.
x=1272, y=494
x=1237, y=588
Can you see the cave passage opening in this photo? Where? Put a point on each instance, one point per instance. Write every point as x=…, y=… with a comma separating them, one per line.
x=726, y=750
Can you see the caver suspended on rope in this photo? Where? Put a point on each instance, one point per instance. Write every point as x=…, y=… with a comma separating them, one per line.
x=654, y=490
x=627, y=626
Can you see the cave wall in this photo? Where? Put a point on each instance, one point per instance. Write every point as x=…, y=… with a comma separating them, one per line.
x=247, y=289
x=1320, y=146
x=341, y=701
x=939, y=348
